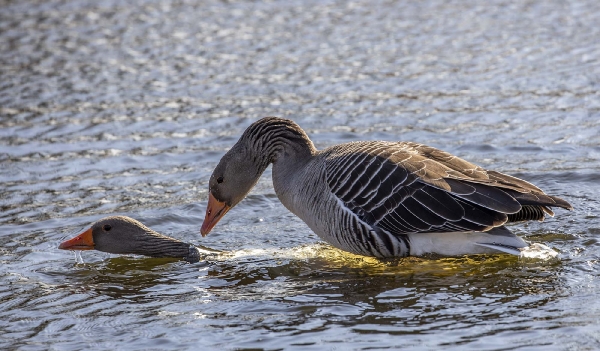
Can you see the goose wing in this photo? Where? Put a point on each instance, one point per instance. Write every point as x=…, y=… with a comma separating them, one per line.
x=413, y=188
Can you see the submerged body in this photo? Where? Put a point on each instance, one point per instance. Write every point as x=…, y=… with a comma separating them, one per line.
x=382, y=199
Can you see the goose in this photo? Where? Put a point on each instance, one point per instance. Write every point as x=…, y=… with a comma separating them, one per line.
x=125, y=235
x=379, y=198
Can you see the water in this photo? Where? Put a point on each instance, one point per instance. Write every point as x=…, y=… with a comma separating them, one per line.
x=125, y=108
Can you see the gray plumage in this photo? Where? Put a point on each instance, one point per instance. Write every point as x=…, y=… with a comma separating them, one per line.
x=379, y=198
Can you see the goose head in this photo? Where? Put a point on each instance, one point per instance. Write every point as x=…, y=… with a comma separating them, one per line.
x=124, y=235
x=233, y=178
x=265, y=141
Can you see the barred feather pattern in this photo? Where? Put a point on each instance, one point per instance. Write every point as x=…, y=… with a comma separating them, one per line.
x=305, y=194
x=157, y=245
x=271, y=136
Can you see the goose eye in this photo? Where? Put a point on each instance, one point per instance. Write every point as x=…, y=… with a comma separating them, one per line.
x=220, y=180
x=107, y=227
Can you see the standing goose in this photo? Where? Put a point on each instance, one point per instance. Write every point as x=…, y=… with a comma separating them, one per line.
x=124, y=235
x=376, y=198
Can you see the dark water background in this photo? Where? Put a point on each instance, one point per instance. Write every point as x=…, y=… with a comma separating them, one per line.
x=126, y=107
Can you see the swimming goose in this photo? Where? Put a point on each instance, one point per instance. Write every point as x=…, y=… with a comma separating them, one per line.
x=124, y=235
x=377, y=198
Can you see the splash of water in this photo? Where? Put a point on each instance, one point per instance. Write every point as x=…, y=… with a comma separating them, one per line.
x=537, y=251
x=78, y=257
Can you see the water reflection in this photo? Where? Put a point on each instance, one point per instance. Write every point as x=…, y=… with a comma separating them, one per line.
x=410, y=295
x=354, y=278
x=127, y=277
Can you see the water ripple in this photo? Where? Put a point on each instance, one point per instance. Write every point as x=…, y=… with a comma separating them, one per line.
x=125, y=108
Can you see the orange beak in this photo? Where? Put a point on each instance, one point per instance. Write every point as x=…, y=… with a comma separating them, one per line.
x=83, y=241
x=214, y=212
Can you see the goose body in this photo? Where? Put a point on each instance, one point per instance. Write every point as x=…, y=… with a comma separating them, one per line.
x=382, y=199
x=124, y=235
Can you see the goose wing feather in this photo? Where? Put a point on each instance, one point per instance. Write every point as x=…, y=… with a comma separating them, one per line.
x=412, y=188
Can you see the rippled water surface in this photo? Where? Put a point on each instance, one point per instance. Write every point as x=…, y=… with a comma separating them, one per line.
x=126, y=107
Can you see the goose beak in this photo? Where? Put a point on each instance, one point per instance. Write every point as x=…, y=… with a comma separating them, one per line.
x=83, y=241
x=214, y=212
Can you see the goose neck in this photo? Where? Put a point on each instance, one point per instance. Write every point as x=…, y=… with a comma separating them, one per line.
x=161, y=246
x=282, y=139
